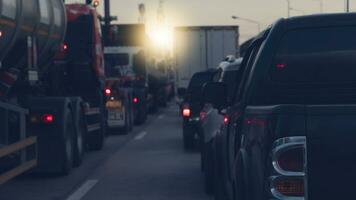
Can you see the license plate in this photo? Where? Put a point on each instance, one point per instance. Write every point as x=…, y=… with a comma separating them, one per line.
x=116, y=115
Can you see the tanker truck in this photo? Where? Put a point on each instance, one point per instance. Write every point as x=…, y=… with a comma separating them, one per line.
x=51, y=86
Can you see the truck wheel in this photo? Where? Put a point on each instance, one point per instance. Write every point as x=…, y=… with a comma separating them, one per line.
x=219, y=182
x=126, y=129
x=132, y=118
x=188, y=139
x=141, y=116
x=97, y=143
x=209, y=170
x=79, y=140
x=68, y=143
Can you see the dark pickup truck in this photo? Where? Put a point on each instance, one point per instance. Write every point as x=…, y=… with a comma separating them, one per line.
x=294, y=115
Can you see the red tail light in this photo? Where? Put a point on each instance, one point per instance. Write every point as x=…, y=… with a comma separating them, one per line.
x=107, y=91
x=186, y=112
x=202, y=115
x=280, y=66
x=1, y=33
x=47, y=118
x=135, y=100
x=289, y=168
x=291, y=160
x=65, y=47
x=226, y=120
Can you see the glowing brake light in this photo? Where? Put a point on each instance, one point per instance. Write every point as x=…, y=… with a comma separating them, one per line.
x=47, y=118
x=280, y=66
x=186, y=112
x=107, y=91
x=64, y=47
x=135, y=100
x=1, y=34
x=226, y=120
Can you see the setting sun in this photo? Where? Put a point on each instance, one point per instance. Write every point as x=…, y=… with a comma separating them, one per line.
x=160, y=36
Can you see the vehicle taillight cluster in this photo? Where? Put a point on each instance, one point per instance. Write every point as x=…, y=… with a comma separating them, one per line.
x=135, y=100
x=226, y=120
x=107, y=92
x=42, y=118
x=47, y=118
x=186, y=112
x=288, y=178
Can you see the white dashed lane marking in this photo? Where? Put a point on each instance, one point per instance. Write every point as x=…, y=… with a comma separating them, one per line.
x=141, y=135
x=83, y=190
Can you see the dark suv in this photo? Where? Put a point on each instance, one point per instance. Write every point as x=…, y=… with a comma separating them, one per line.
x=212, y=120
x=192, y=105
x=294, y=114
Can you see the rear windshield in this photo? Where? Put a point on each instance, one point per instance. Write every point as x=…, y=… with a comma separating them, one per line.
x=323, y=55
x=199, y=80
x=196, y=84
x=115, y=63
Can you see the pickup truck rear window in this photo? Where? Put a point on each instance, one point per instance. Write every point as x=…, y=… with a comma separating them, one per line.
x=316, y=55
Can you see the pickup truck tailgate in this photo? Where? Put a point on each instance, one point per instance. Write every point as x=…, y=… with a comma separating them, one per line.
x=331, y=151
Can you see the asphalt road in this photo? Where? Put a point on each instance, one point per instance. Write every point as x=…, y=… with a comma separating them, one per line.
x=148, y=164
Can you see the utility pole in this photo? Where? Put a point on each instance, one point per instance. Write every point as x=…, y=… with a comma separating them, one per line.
x=107, y=20
x=347, y=6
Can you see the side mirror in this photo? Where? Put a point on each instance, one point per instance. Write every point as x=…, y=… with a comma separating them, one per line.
x=181, y=92
x=215, y=93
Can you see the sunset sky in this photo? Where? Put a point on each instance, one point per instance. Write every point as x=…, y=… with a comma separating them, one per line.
x=219, y=12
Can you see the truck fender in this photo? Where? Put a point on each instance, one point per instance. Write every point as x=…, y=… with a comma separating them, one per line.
x=52, y=137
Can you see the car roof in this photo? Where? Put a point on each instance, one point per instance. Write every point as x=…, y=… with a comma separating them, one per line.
x=321, y=20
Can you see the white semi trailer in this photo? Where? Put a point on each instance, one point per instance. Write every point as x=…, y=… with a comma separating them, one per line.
x=202, y=47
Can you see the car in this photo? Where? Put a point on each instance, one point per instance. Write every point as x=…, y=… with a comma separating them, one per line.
x=212, y=121
x=294, y=114
x=192, y=105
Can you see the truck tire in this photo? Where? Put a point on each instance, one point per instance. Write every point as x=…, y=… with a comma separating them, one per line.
x=68, y=142
x=209, y=170
x=142, y=115
x=126, y=129
x=132, y=118
x=80, y=131
x=96, y=141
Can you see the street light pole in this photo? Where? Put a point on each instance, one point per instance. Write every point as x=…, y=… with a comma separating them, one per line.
x=288, y=8
x=249, y=20
x=347, y=5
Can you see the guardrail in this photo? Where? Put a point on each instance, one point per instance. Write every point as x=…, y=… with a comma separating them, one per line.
x=14, y=149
